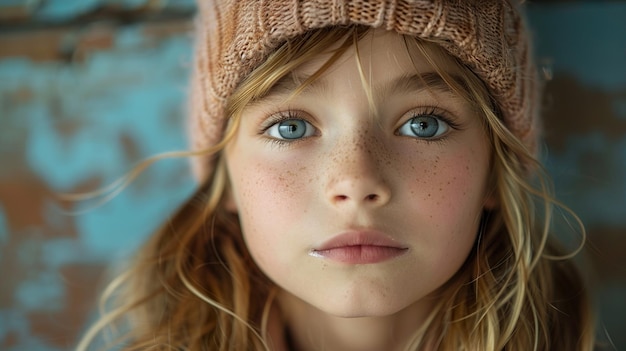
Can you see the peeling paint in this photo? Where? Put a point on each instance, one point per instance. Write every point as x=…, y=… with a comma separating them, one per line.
x=77, y=126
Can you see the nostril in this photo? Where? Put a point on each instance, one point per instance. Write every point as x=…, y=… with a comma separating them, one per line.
x=371, y=198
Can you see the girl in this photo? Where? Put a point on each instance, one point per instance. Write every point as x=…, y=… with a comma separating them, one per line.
x=368, y=181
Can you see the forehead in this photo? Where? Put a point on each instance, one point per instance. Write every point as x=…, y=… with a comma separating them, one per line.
x=385, y=61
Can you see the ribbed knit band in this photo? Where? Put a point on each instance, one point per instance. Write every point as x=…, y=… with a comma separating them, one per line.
x=235, y=36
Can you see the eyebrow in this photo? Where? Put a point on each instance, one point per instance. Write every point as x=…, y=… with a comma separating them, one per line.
x=293, y=81
x=415, y=82
x=403, y=84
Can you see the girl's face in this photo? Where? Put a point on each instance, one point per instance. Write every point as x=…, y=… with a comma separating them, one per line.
x=353, y=211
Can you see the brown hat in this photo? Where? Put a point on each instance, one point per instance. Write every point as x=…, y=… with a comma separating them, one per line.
x=235, y=36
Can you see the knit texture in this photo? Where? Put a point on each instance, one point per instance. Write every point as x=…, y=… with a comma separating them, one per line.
x=235, y=36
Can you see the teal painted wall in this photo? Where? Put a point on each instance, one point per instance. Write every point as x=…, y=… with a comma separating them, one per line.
x=81, y=102
x=88, y=88
x=583, y=45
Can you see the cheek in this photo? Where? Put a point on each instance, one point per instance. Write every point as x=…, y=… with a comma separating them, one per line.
x=447, y=193
x=265, y=184
x=450, y=183
x=447, y=201
x=270, y=196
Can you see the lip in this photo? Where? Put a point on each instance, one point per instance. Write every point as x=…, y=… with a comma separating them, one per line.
x=359, y=247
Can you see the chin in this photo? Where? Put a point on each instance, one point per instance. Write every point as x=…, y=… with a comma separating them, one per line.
x=358, y=298
x=360, y=306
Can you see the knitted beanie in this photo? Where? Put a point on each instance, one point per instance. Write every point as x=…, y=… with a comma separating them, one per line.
x=234, y=36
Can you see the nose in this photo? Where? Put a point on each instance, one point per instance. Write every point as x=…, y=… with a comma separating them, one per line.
x=357, y=175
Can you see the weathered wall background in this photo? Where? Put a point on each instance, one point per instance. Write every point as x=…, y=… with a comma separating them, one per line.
x=584, y=44
x=87, y=89
x=90, y=87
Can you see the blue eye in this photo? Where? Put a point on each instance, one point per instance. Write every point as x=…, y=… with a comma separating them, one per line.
x=291, y=129
x=424, y=127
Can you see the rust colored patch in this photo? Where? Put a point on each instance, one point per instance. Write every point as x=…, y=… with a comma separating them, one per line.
x=10, y=340
x=96, y=38
x=575, y=109
x=68, y=129
x=62, y=328
x=131, y=149
x=165, y=29
x=16, y=12
x=38, y=45
x=21, y=96
x=23, y=200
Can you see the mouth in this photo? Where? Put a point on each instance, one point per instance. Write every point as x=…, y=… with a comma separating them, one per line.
x=359, y=247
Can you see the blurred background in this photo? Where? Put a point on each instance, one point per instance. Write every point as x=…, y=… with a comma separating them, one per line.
x=88, y=88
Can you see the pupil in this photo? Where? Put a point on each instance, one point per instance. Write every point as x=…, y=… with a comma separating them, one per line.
x=292, y=129
x=425, y=127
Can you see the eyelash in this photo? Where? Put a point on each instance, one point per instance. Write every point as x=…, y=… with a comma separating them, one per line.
x=436, y=112
x=289, y=114
x=280, y=117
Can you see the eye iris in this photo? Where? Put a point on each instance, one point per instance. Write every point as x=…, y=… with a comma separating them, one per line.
x=425, y=126
x=292, y=129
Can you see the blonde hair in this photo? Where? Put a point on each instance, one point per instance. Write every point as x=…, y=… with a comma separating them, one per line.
x=194, y=285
